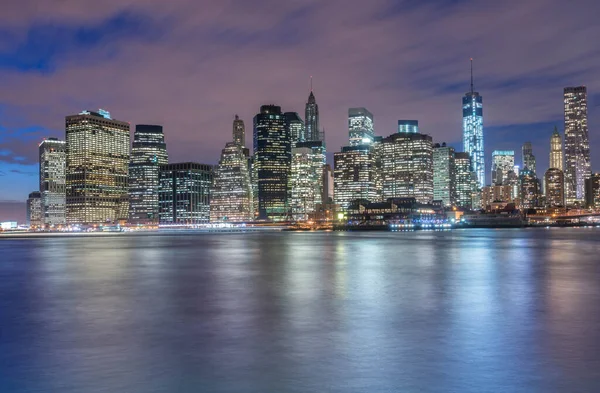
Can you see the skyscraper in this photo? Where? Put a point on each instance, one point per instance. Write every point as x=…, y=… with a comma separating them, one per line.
x=472, y=105
x=528, y=157
x=466, y=181
x=311, y=117
x=556, y=151
x=97, y=168
x=577, y=145
x=554, y=182
x=34, y=210
x=148, y=153
x=408, y=126
x=444, y=174
x=184, y=193
x=306, y=178
x=353, y=175
x=592, y=191
x=503, y=161
x=272, y=161
x=360, y=127
x=407, y=167
x=239, y=132
x=529, y=189
x=295, y=127
x=53, y=161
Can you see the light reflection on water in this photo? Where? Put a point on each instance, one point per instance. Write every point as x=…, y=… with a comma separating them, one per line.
x=460, y=311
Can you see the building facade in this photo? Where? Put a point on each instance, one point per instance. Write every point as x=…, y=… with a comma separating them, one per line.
x=34, y=210
x=97, y=168
x=148, y=153
x=472, y=113
x=503, y=162
x=554, y=184
x=295, y=127
x=53, y=163
x=272, y=162
x=306, y=179
x=408, y=126
x=444, y=175
x=353, y=175
x=466, y=181
x=530, y=189
x=592, y=191
x=556, y=151
x=577, y=145
x=184, y=193
x=239, y=131
x=311, y=118
x=528, y=157
x=360, y=127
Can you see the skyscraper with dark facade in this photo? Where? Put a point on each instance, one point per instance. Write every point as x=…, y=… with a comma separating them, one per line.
x=577, y=145
x=466, y=181
x=528, y=157
x=34, y=210
x=556, y=151
x=444, y=174
x=353, y=175
x=554, y=183
x=408, y=126
x=272, y=162
x=184, y=193
x=295, y=127
x=239, y=131
x=530, y=189
x=53, y=162
x=472, y=110
x=311, y=118
x=148, y=153
x=97, y=168
x=360, y=127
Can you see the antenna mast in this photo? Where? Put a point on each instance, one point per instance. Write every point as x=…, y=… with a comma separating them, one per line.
x=471, y=76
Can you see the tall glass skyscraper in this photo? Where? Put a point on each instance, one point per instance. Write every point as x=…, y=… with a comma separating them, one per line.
x=360, y=127
x=97, y=168
x=353, y=175
x=472, y=106
x=466, y=180
x=503, y=162
x=444, y=174
x=148, y=153
x=311, y=117
x=528, y=157
x=53, y=162
x=556, y=151
x=577, y=145
x=306, y=178
x=272, y=161
x=184, y=193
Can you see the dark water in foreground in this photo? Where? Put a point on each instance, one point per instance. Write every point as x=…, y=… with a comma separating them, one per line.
x=462, y=311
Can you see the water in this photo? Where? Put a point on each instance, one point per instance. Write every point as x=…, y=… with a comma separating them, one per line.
x=461, y=311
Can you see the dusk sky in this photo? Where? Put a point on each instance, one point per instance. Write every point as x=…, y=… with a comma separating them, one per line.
x=191, y=65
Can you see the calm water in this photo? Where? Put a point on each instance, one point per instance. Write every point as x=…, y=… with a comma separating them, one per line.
x=461, y=311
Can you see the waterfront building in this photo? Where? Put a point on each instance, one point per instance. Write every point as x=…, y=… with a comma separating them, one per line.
x=556, y=151
x=97, y=168
x=466, y=181
x=231, y=193
x=554, y=184
x=444, y=174
x=239, y=132
x=529, y=189
x=472, y=107
x=311, y=118
x=577, y=145
x=184, y=193
x=528, y=157
x=306, y=179
x=327, y=185
x=592, y=191
x=353, y=175
x=503, y=161
x=148, y=153
x=295, y=127
x=34, y=210
x=395, y=213
x=53, y=163
x=408, y=126
x=494, y=196
x=360, y=127
x=272, y=161
x=407, y=167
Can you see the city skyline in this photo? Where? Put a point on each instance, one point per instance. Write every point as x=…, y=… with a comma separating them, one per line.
x=511, y=117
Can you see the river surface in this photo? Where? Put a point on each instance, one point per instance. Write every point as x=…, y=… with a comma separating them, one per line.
x=514, y=310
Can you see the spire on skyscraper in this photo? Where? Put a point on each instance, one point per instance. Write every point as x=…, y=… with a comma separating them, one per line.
x=472, y=75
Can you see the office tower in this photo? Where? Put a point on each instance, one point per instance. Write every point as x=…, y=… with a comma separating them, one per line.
x=360, y=127
x=554, y=183
x=556, y=151
x=529, y=189
x=528, y=157
x=295, y=127
x=577, y=145
x=466, y=181
x=407, y=167
x=503, y=161
x=97, y=168
x=306, y=179
x=444, y=174
x=473, y=131
x=239, y=132
x=408, y=126
x=353, y=175
x=53, y=162
x=311, y=117
x=377, y=168
x=512, y=180
x=148, y=153
x=327, y=184
x=184, y=193
x=492, y=196
x=592, y=191
x=34, y=210
x=231, y=193
x=272, y=161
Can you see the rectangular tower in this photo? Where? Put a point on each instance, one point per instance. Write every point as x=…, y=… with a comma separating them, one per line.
x=444, y=175
x=53, y=161
x=577, y=145
x=360, y=126
x=184, y=193
x=472, y=113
